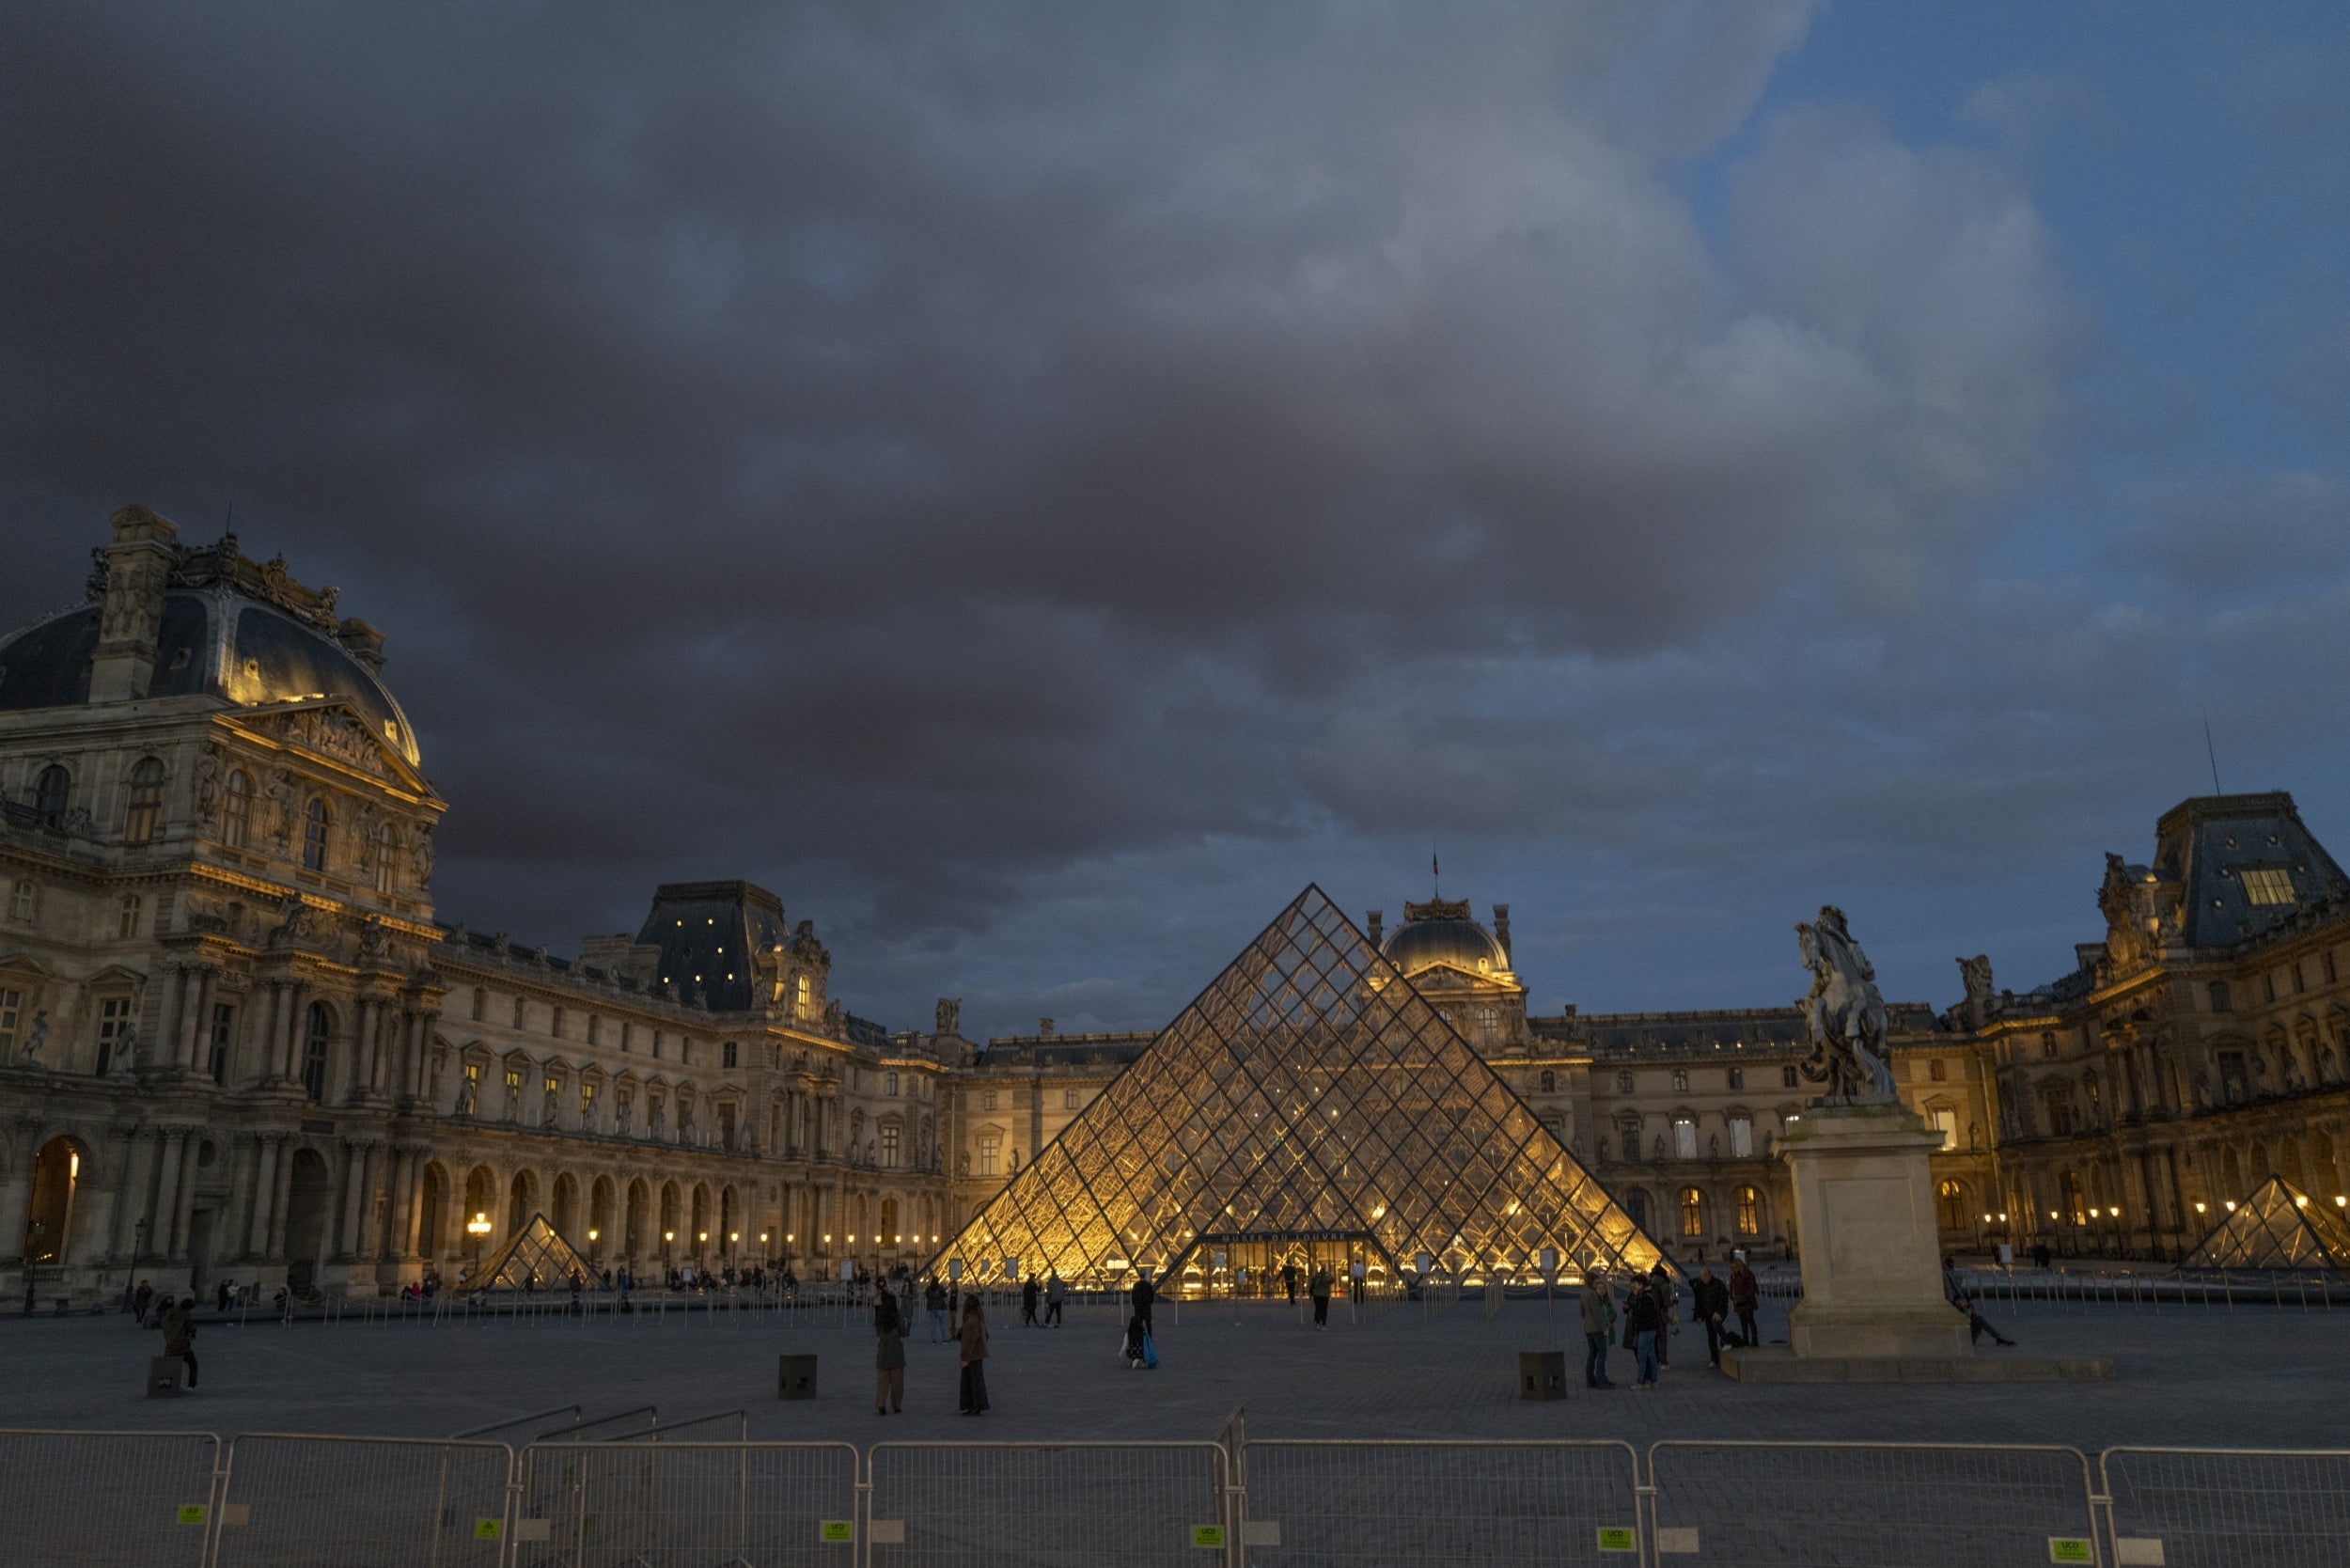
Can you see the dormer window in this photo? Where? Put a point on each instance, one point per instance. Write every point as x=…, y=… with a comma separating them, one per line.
x=2268, y=886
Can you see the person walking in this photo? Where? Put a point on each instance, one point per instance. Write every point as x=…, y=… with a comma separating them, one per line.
x=1660, y=1281
x=1318, y=1288
x=973, y=1339
x=1054, y=1292
x=1289, y=1280
x=1710, y=1305
x=1645, y=1320
x=141, y=1299
x=1144, y=1295
x=935, y=1301
x=1746, y=1294
x=1027, y=1303
x=889, y=1358
x=1599, y=1323
x=1977, y=1325
x=177, y=1322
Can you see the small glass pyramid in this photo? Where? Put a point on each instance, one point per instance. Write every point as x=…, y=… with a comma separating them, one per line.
x=2278, y=1227
x=537, y=1258
x=1310, y=1103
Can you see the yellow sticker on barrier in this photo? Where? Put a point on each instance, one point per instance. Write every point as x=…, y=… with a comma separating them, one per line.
x=1207, y=1535
x=1617, y=1539
x=2069, y=1548
x=837, y=1531
x=488, y=1529
x=191, y=1513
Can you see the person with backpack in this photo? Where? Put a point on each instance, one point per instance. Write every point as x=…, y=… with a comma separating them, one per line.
x=1138, y=1351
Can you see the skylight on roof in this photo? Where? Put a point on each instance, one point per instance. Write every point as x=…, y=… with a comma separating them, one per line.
x=2268, y=886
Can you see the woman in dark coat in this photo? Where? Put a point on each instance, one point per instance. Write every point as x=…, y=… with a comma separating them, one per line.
x=889, y=1359
x=973, y=1339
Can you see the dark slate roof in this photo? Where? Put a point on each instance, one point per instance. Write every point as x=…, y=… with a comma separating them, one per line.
x=2205, y=844
x=1065, y=1051
x=707, y=933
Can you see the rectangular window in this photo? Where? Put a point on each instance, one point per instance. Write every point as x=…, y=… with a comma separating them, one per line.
x=595, y=1027
x=1788, y=1077
x=1946, y=1123
x=1935, y=1071
x=987, y=1099
x=480, y=1004
x=587, y=1106
x=889, y=1083
x=623, y=1107
x=800, y=998
x=2268, y=884
x=1628, y=1143
x=519, y=1016
x=725, y=1127
x=513, y=1093
x=1741, y=1136
x=469, y=1097
x=25, y=905
x=129, y=926
x=114, y=1019
x=625, y=1032
x=1685, y=1138
x=1069, y=1099
x=729, y=1053
x=554, y=1023
x=991, y=1147
x=224, y=1029
x=889, y=1146
x=11, y=1013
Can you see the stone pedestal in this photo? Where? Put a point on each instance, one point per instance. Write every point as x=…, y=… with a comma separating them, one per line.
x=1865, y=1233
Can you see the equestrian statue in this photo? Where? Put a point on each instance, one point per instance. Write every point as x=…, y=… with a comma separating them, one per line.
x=1844, y=1015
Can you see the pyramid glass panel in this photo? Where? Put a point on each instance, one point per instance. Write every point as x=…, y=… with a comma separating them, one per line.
x=1309, y=1095
x=537, y=1258
x=2279, y=1225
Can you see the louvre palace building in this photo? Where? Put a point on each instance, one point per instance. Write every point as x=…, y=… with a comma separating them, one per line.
x=238, y=1040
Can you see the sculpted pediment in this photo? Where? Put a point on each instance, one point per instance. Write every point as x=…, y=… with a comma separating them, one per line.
x=334, y=729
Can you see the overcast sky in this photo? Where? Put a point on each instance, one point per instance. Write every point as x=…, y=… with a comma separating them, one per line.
x=1034, y=486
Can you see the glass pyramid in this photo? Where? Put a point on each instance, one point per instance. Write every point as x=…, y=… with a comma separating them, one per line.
x=536, y=1257
x=1309, y=1097
x=2278, y=1227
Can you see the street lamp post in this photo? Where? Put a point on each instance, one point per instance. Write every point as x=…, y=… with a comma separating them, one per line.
x=477, y=1227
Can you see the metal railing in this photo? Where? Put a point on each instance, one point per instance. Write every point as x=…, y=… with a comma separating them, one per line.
x=291, y=1499
x=285, y=1499
x=684, y=1505
x=996, y=1505
x=1354, y=1503
x=117, y=1497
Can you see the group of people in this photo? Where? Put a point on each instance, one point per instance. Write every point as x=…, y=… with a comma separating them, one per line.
x=893, y=1318
x=1317, y=1287
x=1645, y=1322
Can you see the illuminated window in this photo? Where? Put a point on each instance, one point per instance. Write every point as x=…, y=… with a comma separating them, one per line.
x=113, y=1021
x=1692, y=1212
x=2268, y=886
x=1945, y=1122
x=386, y=859
x=469, y=1092
x=1749, y=1207
x=145, y=816
x=1684, y=1138
x=314, y=823
x=1741, y=1136
x=1681, y=1077
x=236, y=818
x=588, y=1104
x=800, y=998
x=1950, y=1198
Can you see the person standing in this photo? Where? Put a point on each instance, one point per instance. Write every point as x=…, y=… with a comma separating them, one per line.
x=141, y=1299
x=935, y=1301
x=1027, y=1303
x=177, y=1322
x=1355, y=1274
x=1660, y=1283
x=1599, y=1323
x=1746, y=1294
x=1144, y=1296
x=1288, y=1282
x=889, y=1357
x=1319, y=1287
x=1647, y=1323
x=1054, y=1292
x=1710, y=1303
x=973, y=1340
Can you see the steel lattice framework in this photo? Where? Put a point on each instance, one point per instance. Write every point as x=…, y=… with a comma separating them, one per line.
x=2278, y=1227
x=1308, y=1092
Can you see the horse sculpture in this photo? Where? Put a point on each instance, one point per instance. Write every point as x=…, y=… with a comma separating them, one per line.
x=1844, y=1015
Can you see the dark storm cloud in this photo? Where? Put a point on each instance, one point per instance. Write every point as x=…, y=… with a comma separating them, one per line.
x=956, y=463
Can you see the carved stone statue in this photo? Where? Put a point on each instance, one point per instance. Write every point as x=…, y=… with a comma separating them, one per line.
x=282, y=794
x=1975, y=975
x=949, y=1016
x=206, y=784
x=295, y=927
x=421, y=852
x=126, y=1051
x=372, y=944
x=35, y=1038
x=1844, y=1015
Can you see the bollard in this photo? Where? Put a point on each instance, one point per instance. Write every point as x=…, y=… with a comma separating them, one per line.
x=1542, y=1374
x=163, y=1377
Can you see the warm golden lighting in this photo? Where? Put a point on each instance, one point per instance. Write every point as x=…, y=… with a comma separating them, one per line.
x=478, y=1225
x=593, y=1233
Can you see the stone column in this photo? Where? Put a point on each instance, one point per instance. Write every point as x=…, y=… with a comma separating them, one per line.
x=266, y=1165
x=184, y=1206
x=343, y=1242
x=237, y=1214
x=16, y=1191
x=191, y=1016
x=370, y=1244
x=280, y=1198
x=126, y=1194
x=289, y=1045
x=167, y=1174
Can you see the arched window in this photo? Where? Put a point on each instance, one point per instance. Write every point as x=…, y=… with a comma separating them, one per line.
x=1749, y=1211
x=1550, y=1082
x=1692, y=1213
x=1952, y=1197
x=386, y=859
x=317, y=1026
x=314, y=820
x=236, y=818
x=53, y=792
x=132, y=907
x=145, y=817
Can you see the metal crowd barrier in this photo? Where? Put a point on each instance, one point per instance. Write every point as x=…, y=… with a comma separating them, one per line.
x=1909, y=1505
x=669, y=1504
x=108, y=1497
x=183, y=1501
x=997, y=1505
x=2191, y=1508
x=1355, y=1504
x=294, y=1500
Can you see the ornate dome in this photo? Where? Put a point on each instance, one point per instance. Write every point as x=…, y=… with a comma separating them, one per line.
x=1441, y=934
x=231, y=629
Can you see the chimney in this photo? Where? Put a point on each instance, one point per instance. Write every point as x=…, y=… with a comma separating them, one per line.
x=1501, y=930
x=362, y=641
x=1378, y=922
x=1045, y=1027
x=138, y=565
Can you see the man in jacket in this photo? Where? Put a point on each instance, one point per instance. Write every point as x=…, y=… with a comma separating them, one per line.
x=1660, y=1284
x=934, y=1302
x=1054, y=1294
x=1644, y=1327
x=1319, y=1287
x=1599, y=1323
x=1710, y=1303
x=1144, y=1295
